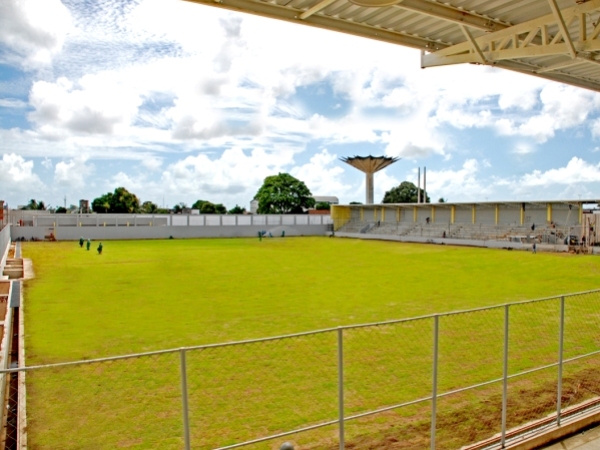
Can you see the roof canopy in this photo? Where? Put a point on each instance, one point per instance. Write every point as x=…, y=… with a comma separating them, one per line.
x=553, y=39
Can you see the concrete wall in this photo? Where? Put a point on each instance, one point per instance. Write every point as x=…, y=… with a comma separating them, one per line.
x=4, y=245
x=124, y=232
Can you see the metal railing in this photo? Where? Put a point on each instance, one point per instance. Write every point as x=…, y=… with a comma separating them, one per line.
x=439, y=381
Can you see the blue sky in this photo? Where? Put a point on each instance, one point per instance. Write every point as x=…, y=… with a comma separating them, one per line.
x=179, y=102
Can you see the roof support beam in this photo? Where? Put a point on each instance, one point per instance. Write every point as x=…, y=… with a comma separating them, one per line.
x=274, y=11
x=563, y=28
x=476, y=48
x=525, y=40
x=450, y=14
x=318, y=7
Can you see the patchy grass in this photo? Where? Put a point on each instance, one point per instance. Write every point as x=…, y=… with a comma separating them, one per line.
x=149, y=295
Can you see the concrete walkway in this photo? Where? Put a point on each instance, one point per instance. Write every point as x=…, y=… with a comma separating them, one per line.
x=587, y=440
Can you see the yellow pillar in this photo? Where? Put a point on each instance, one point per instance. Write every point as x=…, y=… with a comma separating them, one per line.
x=473, y=217
x=549, y=212
x=415, y=214
x=580, y=215
x=452, y=214
x=497, y=218
x=433, y=214
x=383, y=214
x=522, y=213
x=398, y=214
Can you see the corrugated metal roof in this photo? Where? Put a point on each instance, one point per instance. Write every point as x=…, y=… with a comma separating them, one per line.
x=552, y=39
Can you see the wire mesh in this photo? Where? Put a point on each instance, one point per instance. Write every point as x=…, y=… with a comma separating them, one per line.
x=471, y=348
x=531, y=398
x=402, y=428
x=243, y=392
x=582, y=321
x=534, y=330
x=387, y=364
x=106, y=405
x=468, y=416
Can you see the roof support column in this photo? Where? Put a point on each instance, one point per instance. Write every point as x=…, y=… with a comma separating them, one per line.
x=369, y=186
x=452, y=214
x=473, y=214
x=415, y=214
x=549, y=212
x=497, y=215
x=433, y=214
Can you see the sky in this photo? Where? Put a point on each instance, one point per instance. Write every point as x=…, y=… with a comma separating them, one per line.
x=177, y=102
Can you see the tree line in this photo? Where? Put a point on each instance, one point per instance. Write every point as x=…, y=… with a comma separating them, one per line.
x=279, y=194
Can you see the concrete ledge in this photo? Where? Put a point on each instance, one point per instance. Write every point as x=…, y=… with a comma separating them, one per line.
x=557, y=433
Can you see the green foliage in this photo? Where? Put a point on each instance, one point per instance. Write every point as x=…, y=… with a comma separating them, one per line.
x=406, y=192
x=60, y=210
x=212, y=208
x=356, y=203
x=323, y=206
x=283, y=194
x=149, y=207
x=33, y=205
x=441, y=200
x=236, y=210
x=178, y=208
x=121, y=201
x=198, y=204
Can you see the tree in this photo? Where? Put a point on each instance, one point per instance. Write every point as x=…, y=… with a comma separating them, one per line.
x=198, y=204
x=178, y=208
x=120, y=201
x=61, y=210
x=283, y=194
x=207, y=208
x=213, y=208
x=237, y=210
x=323, y=206
x=33, y=205
x=406, y=192
x=441, y=200
x=149, y=207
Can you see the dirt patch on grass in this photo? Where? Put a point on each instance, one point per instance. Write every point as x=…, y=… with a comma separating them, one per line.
x=463, y=422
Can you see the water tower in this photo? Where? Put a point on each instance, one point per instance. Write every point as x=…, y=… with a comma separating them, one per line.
x=369, y=165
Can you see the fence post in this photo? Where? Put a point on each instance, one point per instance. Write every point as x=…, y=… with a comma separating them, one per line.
x=184, y=400
x=560, y=359
x=505, y=375
x=340, y=339
x=436, y=334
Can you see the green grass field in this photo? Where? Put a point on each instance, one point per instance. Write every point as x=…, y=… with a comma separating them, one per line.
x=143, y=296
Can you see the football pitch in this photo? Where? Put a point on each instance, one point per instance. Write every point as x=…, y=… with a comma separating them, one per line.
x=141, y=296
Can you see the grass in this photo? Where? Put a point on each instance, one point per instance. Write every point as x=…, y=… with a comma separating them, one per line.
x=149, y=295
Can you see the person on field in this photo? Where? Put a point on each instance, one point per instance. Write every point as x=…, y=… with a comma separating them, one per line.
x=534, y=248
x=100, y=248
x=87, y=244
x=81, y=242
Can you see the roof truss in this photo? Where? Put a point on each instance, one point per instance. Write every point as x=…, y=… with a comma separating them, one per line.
x=560, y=44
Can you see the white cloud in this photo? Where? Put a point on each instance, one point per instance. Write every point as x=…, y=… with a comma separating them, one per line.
x=576, y=171
x=33, y=30
x=17, y=176
x=74, y=173
x=12, y=103
x=322, y=174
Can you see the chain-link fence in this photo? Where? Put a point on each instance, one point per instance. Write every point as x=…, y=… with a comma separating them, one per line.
x=444, y=381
